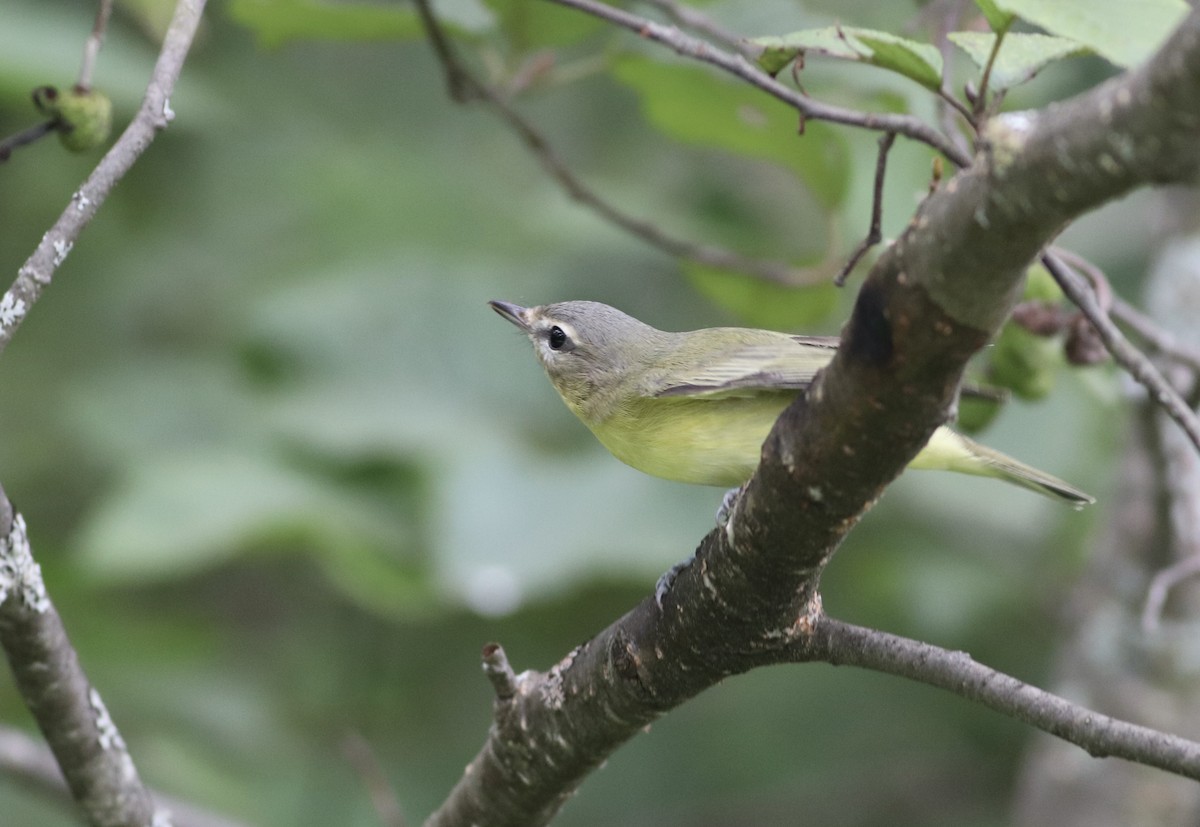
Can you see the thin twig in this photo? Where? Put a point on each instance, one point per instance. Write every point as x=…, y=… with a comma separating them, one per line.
x=91, y=46
x=874, y=234
x=1099, y=281
x=29, y=762
x=1154, y=336
x=985, y=79
x=737, y=65
x=153, y=116
x=359, y=753
x=1123, y=352
x=1160, y=589
x=839, y=643
x=464, y=86
x=499, y=672
x=460, y=83
x=25, y=137
x=986, y=393
x=944, y=18
x=958, y=106
x=697, y=21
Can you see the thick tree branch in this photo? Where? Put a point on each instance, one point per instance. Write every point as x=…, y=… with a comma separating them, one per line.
x=931, y=301
x=153, y=116
x=69, y=711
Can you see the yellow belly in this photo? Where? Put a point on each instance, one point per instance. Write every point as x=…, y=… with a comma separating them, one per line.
x=700, y=441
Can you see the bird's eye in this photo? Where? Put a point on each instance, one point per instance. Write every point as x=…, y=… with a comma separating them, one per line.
x=557, y=338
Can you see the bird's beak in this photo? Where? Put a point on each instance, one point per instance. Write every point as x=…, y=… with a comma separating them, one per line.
x=513, y=312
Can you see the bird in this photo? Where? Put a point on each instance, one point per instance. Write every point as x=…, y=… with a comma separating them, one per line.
x=696, y=406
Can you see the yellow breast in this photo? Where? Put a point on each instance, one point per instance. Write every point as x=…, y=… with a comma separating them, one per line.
x=704, y=441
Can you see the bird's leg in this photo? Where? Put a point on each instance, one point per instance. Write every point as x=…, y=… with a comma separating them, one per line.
x=726, y=509
x=723, y=514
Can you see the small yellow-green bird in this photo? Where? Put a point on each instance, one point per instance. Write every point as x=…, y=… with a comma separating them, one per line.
x=696, y=406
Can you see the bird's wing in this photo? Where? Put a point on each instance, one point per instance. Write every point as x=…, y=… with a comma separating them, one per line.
x=780, y=363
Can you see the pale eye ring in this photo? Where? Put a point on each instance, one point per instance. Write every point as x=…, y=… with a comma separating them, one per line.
x=557, y=338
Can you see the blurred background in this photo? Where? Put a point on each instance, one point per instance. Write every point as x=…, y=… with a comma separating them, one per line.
x=286, y=473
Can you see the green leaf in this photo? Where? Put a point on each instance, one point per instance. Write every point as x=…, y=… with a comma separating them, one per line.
x=763, y=304
x=276, y=22
x=535, y=24
x=1021, y=56
x=1041, y=286
x=1122, y=32
x=1025, y=363
x=697, y=107
x=190, y=510
x=997, y=19
x=918, y=61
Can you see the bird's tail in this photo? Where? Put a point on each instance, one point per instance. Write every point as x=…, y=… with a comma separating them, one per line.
x=952, y=451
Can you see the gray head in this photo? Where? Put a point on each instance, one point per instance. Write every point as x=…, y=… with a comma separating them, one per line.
x=583, y=345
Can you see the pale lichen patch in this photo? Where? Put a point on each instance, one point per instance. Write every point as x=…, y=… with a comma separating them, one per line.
x=62, y=248
x=12, y=310
x=1006, y=136
x=19, y=573
x=109, y=737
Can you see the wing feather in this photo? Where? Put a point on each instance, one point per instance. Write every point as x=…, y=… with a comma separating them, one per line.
x=753, y=361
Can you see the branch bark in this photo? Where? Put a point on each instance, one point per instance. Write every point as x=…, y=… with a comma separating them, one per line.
x=90, y=751
x=840, y=643
x=932, y=299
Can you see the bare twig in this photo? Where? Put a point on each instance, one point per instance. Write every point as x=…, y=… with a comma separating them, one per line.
x=463, y=86
x=1126, y=355
x=843, y=643
x=91, y=47
x=499, y=671
x=943, y=18
x=691, y=18
x=874, y=234
x=153, y=116
x=24, y=137
x=30, y=762
x=358, y=752
x=981, y=101
x=1154, y=336
x=460, y=83
x=1160, y=588
x=956, y=105
x=1099, y=281
x=737, y=65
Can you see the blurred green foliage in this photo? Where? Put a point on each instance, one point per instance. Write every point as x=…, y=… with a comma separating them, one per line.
x=286, y=473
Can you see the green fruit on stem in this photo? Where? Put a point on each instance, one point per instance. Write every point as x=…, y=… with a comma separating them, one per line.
x=82, y=117
x=1025, y=363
